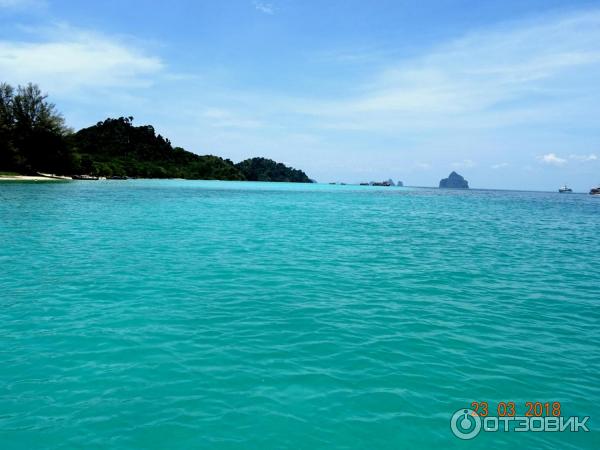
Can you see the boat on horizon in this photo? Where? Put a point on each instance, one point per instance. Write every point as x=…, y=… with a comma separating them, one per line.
x=595, y=191
x=564, y=189
x=53, y=176
x=85, y=177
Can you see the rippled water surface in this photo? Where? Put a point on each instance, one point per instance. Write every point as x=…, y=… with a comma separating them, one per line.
x=182, y=314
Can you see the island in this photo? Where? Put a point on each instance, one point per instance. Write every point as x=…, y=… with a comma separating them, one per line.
x=454, y=181
x=389, y=182
x=34, y=141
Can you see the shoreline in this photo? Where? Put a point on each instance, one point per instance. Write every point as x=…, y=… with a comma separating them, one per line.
x=49, y=177
x=28, y=178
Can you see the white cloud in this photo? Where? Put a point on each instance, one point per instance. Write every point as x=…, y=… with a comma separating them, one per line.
x=464, y=164
x=423, y=165
x=265, y=8
x=71, y=59
x=584, y=158
x=499, y=166
x=521, y=73
x=20, y=4
x=552, y=159
x=221, y=118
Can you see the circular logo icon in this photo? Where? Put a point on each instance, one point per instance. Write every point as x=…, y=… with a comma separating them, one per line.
x=465, y=424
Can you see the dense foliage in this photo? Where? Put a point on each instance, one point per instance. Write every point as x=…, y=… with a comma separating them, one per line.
x=115, y=148
x=33, y=138
x=262, y=169
x=31, y=132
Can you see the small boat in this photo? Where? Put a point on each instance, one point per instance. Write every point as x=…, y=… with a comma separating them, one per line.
x=595, y=191
x=84, y=177
x=565, y=189
x=53, y=176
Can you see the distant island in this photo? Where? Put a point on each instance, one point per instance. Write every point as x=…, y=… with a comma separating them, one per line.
x=454, y=181
x=34, y=139
x=389, y=182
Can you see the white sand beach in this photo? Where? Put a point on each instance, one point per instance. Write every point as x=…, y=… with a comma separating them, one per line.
x=29, y=178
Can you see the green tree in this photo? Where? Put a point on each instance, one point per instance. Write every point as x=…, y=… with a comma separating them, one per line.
x=8, y=154
x=32, y=111
x=38, y=133
x=7, y=95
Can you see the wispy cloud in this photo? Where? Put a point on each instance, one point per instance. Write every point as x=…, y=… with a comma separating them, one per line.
x=422, y=165
x=70, y=59
x=464, y=164
x=584, y=158
x=528, y=72
x=20, y=4
x=221, y=118
x=452, y=102
x=552, y=159
x=266, y=8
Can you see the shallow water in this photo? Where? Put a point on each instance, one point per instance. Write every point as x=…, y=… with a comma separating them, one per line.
x=184, y=314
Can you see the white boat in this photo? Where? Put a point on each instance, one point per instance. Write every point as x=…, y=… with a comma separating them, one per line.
x=565, y=189
x=84, y=177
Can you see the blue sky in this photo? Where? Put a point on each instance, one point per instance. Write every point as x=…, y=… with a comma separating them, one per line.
x=507, y=93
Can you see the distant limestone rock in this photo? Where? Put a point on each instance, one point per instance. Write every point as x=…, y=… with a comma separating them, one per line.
x=454, y=181
x=400, y=183
x=389, y=182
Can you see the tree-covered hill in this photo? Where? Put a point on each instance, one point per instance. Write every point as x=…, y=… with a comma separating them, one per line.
x=263, y=169
x=116, y=147
x=34, y=138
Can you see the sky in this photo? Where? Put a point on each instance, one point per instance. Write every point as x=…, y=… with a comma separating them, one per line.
x=507, y=93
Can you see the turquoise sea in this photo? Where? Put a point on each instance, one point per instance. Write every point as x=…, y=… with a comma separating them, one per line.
x=228, y=315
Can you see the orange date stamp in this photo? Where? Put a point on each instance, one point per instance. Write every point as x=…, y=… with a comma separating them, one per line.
x=512, y=409
x=517, y=417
